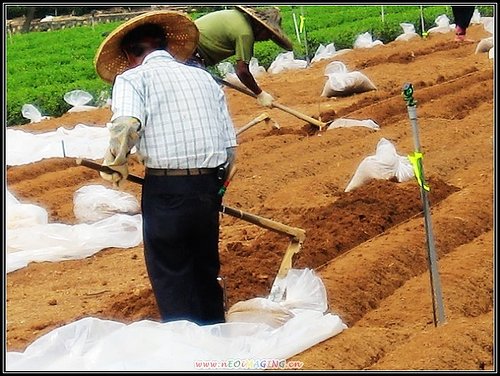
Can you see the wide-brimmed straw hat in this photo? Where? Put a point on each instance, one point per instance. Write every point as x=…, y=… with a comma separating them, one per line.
x=270, y=18
x=180, y=32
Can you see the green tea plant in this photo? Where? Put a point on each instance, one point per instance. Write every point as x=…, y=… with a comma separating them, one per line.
x=42, y=66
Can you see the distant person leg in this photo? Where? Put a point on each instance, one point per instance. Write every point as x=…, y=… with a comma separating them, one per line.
x=462, y=16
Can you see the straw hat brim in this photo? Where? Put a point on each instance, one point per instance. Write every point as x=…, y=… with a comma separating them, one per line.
x=279, y=36
x=180, y=32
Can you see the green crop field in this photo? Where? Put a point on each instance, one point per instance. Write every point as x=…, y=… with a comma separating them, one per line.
x=42, y=66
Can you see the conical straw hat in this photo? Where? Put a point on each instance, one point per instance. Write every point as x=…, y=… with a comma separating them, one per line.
x=270, y=18
x=180, y=32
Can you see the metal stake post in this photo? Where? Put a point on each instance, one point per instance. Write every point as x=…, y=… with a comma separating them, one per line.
x=296, y=26
x=302, y=24
x=437, y=298
x=424, y=33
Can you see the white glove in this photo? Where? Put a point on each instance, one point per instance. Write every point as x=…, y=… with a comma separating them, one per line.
x=124, y=135
x=265, y=99
x=120, y=165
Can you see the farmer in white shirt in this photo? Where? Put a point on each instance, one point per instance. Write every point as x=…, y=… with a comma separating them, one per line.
x=177, y=117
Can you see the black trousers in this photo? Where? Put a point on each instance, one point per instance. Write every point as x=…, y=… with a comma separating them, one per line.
x=181, y=235
x=463, y=15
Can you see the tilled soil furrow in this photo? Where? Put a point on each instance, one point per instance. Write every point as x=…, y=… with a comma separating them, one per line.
x=384, y=264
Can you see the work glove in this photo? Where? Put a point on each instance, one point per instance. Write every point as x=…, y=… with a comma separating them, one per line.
x=265, y=99
x=119, y=167
x=124, y=135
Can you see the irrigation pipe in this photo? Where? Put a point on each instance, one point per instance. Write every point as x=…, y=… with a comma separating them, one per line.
x=416, y=159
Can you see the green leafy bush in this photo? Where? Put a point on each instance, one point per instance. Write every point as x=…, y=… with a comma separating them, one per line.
x=42, y=66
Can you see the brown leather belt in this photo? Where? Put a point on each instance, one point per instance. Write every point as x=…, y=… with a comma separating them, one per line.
x=180, y=172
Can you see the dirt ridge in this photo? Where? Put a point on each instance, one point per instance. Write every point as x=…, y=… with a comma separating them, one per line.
x=368, y=246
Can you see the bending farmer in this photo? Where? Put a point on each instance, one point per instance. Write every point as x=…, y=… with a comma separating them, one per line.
x=176, y=116
x=233, y=32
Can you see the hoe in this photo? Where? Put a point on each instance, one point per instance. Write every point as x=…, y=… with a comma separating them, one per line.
x=320, y=124
x=297, y=235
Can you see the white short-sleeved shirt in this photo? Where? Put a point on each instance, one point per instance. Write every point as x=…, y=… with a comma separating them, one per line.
x=183, y=113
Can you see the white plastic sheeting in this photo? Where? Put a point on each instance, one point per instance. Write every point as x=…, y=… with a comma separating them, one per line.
x=365, y=40
x=340, y=82
x=476, y=17
x=385, y=164
x=79, y=100
x=82, y=141
x=286, y=61
x=408, y=32
x=246, y=341
x=229, y=74
x=57, y=241
x=93, y=344
x=327, y=52
x=324, y=52
x=271, y=313
x=23, y=215
x=32, y=113
x=348, y=123
x=489, y=24
x=487, y=44
x=443, y=25
x=30, y=238
x=94, y=202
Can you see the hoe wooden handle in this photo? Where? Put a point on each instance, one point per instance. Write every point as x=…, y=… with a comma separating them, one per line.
x=269, y=224
x=295, y=113
x=300, y=115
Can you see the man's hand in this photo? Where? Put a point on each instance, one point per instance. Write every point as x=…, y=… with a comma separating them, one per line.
x=124, y=135
x=119, y=165
x=265, y=99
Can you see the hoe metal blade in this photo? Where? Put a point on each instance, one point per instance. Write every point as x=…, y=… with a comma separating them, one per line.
x=278, y=288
